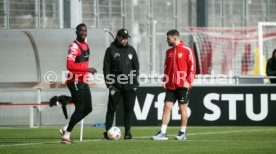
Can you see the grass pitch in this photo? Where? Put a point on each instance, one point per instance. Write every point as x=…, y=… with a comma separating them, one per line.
x=200, y=140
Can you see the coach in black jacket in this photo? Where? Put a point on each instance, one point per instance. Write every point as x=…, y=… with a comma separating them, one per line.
x=271, y=66
x=121, y=70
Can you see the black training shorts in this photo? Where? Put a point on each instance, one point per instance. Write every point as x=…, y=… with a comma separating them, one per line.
x=182, y=95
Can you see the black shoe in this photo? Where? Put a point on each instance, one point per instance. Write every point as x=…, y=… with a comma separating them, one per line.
x=128, y=136
x=105, y=136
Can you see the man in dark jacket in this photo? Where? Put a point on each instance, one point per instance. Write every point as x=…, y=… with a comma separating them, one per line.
x=271, y=66
x=121, y=70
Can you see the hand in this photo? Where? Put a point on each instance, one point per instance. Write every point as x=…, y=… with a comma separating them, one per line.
x=112, y=90
x=92, y=70
x=164, y=86
x=186, y=85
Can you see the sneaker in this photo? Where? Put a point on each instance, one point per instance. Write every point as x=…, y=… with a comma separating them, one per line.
x=62, y=131
x=181, y=136
x=105, y=136
x=66, y=140
x=128, y=136
x=160, y=136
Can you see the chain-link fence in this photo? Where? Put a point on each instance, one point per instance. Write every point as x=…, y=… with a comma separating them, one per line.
x=23, y=14
x=147, y=20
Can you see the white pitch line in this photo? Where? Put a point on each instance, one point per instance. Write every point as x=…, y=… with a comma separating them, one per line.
x=210, y=133
x=24, y=144
x=55, y=142
x=142, y=137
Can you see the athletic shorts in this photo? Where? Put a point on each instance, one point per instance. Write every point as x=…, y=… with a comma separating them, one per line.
x=182, y=95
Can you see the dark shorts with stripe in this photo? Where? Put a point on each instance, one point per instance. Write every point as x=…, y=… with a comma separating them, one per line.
x=182, y=95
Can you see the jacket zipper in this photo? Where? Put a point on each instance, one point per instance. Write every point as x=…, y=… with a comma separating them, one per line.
x=173, y=67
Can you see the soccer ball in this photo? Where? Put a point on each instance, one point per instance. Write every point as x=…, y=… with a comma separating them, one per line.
x=114, y=133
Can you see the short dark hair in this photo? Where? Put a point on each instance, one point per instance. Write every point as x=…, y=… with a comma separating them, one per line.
x=80, y=25
x=273, y=52
x=173, y=32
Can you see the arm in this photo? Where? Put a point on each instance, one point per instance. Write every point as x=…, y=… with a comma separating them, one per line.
x=269, y=71
x=165, y=77
x=191, y=67
x=73, y=52
x=107, y=66
x=165, y=68
x=136, y=66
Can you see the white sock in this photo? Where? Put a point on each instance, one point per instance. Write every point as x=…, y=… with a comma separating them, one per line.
x=183, y=129
x=65, y=127
x=67, y=134
x=163, y=129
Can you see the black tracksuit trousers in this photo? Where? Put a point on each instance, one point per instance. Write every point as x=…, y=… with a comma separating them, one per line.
x=82, y=99
x=127, y=97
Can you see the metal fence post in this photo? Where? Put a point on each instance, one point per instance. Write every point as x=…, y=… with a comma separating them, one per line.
x=6, y=14
x=37, y=14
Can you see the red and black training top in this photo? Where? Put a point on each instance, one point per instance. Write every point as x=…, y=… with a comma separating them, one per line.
x=78, y=61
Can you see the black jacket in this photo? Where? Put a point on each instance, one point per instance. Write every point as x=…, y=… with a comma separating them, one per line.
x=121, y=60
x=271, y=69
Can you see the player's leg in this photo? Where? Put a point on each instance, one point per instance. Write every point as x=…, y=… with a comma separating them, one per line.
x=113, y=102
x=183, y=100
x=129, y=97
x=87, y=101
x=168, y=105
x=63, y=129
x=170, y=99
x=166, y=115
x=77, y=92
x=184, y=120
x=78, y=96
x=87, y=108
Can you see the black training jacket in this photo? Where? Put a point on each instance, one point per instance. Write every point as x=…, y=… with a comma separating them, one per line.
x=271, y=69
x=121, y=61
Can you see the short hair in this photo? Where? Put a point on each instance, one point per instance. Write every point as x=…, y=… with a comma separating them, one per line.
x=273, y=52
x=173, y=32
x=80, y=25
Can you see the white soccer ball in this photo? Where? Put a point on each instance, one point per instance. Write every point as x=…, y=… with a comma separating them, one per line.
x=114, y=133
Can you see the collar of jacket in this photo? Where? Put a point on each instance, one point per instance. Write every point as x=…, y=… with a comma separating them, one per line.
x=181, y=44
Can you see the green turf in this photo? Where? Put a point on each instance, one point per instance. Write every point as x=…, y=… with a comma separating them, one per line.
x=200, y=140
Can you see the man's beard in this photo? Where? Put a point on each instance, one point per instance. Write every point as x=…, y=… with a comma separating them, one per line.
x=81, y=39
x=170, y=44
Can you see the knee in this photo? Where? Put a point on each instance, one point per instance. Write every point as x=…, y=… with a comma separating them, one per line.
x=111, y=111
x=83, y=111
x=167, y=107
x=128, y=112
x=88, y=110
x=183, y=109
